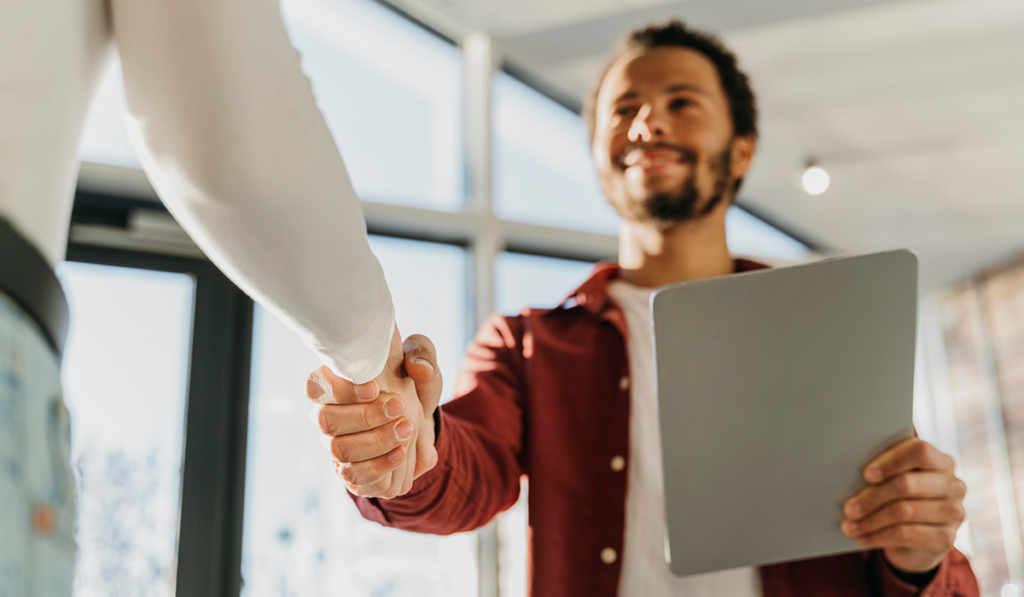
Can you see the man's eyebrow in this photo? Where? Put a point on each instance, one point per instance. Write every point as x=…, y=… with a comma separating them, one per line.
x=685, y=87
x=625, y=96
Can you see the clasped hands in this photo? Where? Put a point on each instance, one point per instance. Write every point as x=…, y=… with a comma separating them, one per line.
x=381, y=435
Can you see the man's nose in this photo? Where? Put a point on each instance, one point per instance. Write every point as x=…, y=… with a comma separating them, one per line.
x=647, y=126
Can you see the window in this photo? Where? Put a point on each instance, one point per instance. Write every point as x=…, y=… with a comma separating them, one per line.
x=104, y=137
x=303, y=535
x=530, y=281
x=543, y=173
x=391, y=94
x=125, y=378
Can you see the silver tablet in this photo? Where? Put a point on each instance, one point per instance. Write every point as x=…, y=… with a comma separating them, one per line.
x=775, y=388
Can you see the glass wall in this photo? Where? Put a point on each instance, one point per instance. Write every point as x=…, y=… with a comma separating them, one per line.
x=303, y=534
x=125, y=375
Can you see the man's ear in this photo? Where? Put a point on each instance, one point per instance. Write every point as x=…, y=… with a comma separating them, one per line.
x=742, y=155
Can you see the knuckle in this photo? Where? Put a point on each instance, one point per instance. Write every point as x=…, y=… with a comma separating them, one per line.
x=904, y=510
x=365, y=416
x=323, y=420
x=341, y=450
x=960, y=488
x=949, y=538
x=959, y=512
x=904, y=533
x=905, y=484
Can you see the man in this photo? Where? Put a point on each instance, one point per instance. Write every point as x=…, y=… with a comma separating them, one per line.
x=566, y=396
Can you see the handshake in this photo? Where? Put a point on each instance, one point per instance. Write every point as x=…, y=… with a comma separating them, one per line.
x=381, y=433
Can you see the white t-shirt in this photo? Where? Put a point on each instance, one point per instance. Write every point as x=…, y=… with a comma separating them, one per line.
x=644, y=569
x=226, y=127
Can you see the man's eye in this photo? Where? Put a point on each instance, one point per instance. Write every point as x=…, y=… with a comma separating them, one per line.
x=624, y=111
x=680, y=103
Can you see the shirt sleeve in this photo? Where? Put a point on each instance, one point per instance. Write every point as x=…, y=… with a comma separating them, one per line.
x=479, y=444
x=953, y=578
x=226, y=127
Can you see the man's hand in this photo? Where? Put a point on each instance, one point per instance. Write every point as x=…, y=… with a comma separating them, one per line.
x=911, y=509
x=381, y=433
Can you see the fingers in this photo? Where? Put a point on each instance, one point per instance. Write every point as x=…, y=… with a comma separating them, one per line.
x=907, y=512
x=421, y=366
x=911, y=454
x=357, y=447
x=926, y=485
x=345, y=419
x=370, y=473
x=324, y=387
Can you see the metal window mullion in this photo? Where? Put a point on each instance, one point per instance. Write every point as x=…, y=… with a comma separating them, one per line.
x=478, y=60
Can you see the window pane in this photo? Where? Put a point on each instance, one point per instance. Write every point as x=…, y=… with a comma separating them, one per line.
x=750, y=236
x=104, y=138
x=303, y=535
x=543, y=172
x=125, y=381
x=392, y=95
x=529, y=281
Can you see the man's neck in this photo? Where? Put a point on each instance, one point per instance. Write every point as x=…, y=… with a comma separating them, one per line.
x=651, y=257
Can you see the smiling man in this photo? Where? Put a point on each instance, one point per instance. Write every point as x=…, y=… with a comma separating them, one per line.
x=567, y=396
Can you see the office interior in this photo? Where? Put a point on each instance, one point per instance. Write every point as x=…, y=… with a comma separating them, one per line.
x=885, y=124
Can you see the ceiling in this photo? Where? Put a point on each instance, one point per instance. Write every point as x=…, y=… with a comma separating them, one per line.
x=915, y=107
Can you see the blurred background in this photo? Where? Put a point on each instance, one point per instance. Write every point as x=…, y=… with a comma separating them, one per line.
x=909, y=110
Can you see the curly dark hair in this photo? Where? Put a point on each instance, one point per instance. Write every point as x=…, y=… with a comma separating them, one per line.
x=675, y=33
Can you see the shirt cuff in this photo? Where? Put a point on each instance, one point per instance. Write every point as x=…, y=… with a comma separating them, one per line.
x=896, y=584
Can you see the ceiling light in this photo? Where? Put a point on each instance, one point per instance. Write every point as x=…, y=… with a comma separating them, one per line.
x=1010, y=590
x=815, y=179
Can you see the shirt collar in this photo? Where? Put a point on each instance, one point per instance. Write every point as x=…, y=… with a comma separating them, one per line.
x=592, y=295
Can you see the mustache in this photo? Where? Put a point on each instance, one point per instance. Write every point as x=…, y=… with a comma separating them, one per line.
x=687, y=154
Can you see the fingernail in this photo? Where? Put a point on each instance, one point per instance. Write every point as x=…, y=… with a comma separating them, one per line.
x=873, y=475
x=403, y=431
x=394, y=407
x=849, y=528
x=852, y=509
x=397, y=455
x=367, y=391
x=424, y=362
x=313, y=389
x=314, y=415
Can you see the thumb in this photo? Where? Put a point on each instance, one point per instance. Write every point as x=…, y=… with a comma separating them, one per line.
x=421, y=366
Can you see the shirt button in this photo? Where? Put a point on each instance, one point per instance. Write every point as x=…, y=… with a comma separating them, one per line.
x=608, y=555
x=618, y=463
x=624, y=383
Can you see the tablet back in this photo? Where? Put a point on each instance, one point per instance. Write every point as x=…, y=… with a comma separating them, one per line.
x=775, y=388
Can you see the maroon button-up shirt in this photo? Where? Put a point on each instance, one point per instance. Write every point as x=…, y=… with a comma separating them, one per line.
x=541, y=394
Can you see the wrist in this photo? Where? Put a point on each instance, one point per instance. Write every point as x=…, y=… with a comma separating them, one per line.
x=919, y=579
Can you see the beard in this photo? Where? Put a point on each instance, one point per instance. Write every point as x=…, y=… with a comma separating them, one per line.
x=667, y=209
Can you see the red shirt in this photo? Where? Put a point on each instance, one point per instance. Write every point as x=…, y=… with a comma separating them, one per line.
x=546, y=394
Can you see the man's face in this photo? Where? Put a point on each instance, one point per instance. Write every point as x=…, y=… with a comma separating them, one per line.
x=664, y=145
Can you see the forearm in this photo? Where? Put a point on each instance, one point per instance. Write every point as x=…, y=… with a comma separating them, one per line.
x=226, y=126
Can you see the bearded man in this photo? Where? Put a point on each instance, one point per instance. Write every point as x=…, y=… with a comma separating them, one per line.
x=567, y=397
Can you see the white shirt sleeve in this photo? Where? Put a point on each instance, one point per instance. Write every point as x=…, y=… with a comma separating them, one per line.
x=227, y=129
